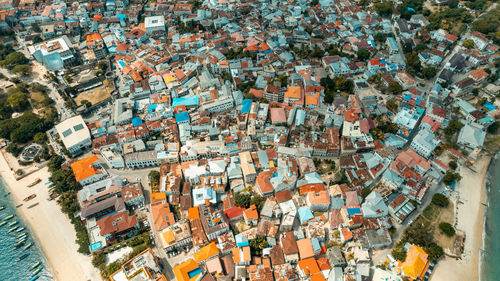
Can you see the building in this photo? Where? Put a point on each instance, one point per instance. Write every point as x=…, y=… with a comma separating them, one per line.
x=214, y=222
x=416, y=264
x=88, y=170
x=162, y=216
x=154, y=24
x=176, y=236
x=144, y=267
x=247, y=167
x=289, y=246
x=188, y=271
x=471, y=136
x=141, y=159
x=55, y=54
x=96, y=46
x=74, y=134
x=424, y=143
x=133, y=196
x=374, y=206
x=117, y=225
x=113, y=157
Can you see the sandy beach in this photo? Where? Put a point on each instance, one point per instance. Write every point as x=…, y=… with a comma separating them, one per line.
x=471, y=192
x=52, y=228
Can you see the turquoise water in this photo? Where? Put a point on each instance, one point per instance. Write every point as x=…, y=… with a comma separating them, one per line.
x=10, y=269
x=490, y=261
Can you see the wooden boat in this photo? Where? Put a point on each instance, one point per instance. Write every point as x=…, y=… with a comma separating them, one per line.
x=36, y=271
x=21, y=235
x=2, y=208
x=20, y=229
x=27, y=246
x=3, y=223
x=34, y=278
x=13, y=223
x=23, y=256
x=29, y=197
x=12, y=229
x=20, y=205
x=33, y=205
x=8, y=217
x=36, y=265
x=37, y=180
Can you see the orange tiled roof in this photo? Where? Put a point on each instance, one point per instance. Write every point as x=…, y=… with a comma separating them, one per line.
x=206, y=252
x=415, y=263
x=293, y=92
x=162, y=216
x=84, y=168
x=182, y=270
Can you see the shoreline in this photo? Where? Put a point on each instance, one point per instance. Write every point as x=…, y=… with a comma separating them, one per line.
x=51, y=228
x=469, y=199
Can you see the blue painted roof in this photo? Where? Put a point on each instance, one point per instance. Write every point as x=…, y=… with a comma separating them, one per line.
x=247, y=103
x=489, y=106
x=305, y=214
x=181, y=117
x=136, y=121
x=187, y=101
x=353, y=211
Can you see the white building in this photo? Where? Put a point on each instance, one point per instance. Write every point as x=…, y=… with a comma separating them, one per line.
x=424, y=143
x=142, y=159
x=154, y=23
x=54, y=54
x=219, y=105
x=113, y=157
x=74, y=134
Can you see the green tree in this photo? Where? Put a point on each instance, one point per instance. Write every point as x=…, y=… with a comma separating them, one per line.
x=451, y=177
x=493, y=128
x=258, y=201
x=384, y=9
x=434, y=251
x=429, y=72
x=469, y=44
x=85, y=103
x=13, y=149
x=242, y=199
x=64, y=180
x=257, y=244
x=483, y=26
x=392, y=105
x=453, y=165
x=447, y=229
x=37, y=39
x=363, y=54
x=440, y=200
x=13, y=59
x=453, y=127
x=395, y=88
x=103, y=66
x=399, y=253
x=18, y=101
x=36, y=27
x=379, y=37
x=40, y=138
x=154, y=178
x=21, y=69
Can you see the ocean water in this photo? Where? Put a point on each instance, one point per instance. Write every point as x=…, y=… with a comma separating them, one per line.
x=490, y=253
x=10, y=269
